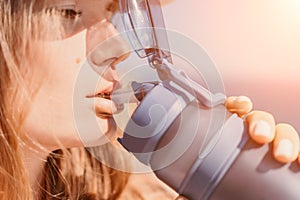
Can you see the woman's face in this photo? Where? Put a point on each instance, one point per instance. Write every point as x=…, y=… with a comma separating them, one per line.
x=61, y=70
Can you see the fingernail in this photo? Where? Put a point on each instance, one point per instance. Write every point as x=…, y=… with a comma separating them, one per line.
x=242, y=99
x=240, y=105
x=262, y=129
x=284, y=149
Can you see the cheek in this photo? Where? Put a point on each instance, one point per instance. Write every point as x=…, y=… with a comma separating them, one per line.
x=52, y=71
x=56, y=68
x=56, y=61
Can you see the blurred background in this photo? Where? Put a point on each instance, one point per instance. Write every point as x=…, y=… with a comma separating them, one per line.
x=255, y=45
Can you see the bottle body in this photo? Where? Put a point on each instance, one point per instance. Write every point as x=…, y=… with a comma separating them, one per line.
x=204, y=153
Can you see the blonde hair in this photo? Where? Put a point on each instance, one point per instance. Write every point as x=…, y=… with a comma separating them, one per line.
x=68, y=173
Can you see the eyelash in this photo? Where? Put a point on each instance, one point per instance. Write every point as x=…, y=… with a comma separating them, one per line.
x=69, y=13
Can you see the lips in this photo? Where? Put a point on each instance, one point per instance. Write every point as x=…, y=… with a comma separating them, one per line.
x=103, y=105
x=104, y=95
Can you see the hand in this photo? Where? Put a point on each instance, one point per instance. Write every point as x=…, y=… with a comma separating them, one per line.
x=262, y=129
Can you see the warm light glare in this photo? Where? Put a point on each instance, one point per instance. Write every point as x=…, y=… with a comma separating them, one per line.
x=254, y=43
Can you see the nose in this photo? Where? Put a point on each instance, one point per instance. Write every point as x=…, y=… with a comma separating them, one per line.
x=105, y=47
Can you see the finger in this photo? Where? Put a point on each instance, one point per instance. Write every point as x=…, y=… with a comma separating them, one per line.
x=181, y=198
x=240, y=105
x=261, y=126
x=286, y=143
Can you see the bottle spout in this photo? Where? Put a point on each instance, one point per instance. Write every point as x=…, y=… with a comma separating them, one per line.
x=142, y=89
x=134, y=92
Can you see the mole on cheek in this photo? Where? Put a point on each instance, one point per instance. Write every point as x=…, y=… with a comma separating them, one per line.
x=78, y=60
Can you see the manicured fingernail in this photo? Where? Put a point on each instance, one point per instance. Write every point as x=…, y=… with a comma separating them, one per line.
x=242, y=99
x=239, y=99
x=240, y=105
x=262, y=129
x=284, y=149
